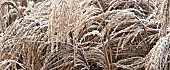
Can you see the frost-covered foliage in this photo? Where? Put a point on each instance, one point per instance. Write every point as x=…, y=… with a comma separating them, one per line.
x=84, y=34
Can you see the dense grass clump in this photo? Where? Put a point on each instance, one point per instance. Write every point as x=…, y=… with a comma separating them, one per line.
x=84, y=35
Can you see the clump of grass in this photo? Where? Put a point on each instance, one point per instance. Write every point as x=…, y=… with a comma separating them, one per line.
x=84, y=35
x=65, y=17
